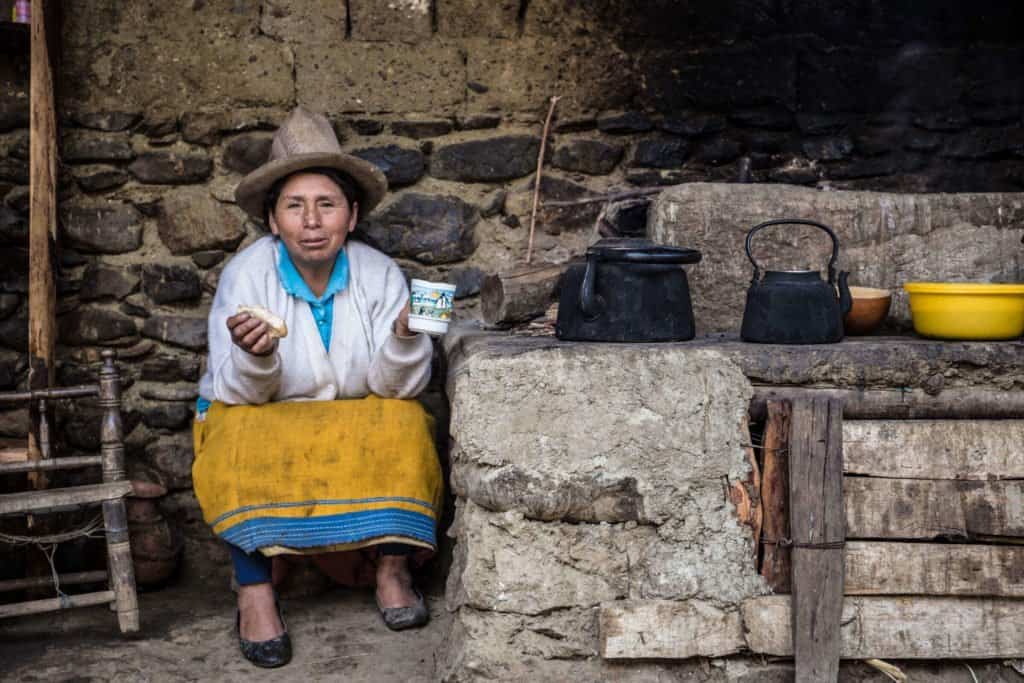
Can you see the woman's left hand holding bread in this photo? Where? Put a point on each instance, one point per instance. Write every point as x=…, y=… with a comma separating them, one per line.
x=251, y=334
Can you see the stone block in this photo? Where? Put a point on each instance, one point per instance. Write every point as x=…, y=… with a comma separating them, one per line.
x=692, y=125
x=640, y=441
x=99, y=178
x=154, y=63
x=163, y=415
x=427, y=228
x=248, y=151
x=660, y=153
x=14, y=270
x=589, y=75
x=102, y=281
x=109, y=121
x=486, y=160
x=205, y=127
x=82, y=146
x=190, y=220
x=594, y=157
x=171, y=168
x=165, y=368
x=172, y=458
x=13, y=227
x=679, y=79
x=408, y=21
x=9, y=303
x=625, y=123
x=717, y=151
x=884, y=239
x=302, y=21
x=170, y=283
x=469, y=18
x=184, y=331
x=380, y=77
x=109, y=228
x=401, y=165
x=95, y=326
x=419, y=128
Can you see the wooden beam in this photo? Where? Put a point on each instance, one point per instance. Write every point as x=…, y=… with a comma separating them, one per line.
x=875, y=568
x=775, y=567
x=925, y=509
x=42, y=313
x=958, y=403
x=816, y=521
x=935, y=449
x=899, y=628
x=667, y=629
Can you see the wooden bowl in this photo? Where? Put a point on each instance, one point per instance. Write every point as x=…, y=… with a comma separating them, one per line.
x=870, y=306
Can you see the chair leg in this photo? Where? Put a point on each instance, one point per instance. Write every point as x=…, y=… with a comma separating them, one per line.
x=119, y=562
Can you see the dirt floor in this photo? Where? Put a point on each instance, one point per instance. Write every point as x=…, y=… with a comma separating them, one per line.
x=188, y=635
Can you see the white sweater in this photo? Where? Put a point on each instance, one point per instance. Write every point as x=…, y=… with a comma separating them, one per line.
x=365, y=357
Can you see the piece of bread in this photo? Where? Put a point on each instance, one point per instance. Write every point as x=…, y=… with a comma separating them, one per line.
x=275, y=325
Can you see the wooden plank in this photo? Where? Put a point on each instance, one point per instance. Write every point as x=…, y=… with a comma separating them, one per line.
x=775, y=567
x=51, y=499
x=900, y=628
x=668, y=629
x=745, y=494
x=935, y=449
x=19, y=609
x=957, y=403
x=875, y=568
x=11, y=452
x=925, y=509
x=816, y=519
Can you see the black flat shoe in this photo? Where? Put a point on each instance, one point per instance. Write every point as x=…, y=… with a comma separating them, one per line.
x=268, y=654
x=401, y=618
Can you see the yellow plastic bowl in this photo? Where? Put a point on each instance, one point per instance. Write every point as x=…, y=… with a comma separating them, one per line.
x=966, y=310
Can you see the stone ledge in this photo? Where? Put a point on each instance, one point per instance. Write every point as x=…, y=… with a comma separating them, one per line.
x=856, y=362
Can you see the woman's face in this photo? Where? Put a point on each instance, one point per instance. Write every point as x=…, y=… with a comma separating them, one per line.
x=313, y=219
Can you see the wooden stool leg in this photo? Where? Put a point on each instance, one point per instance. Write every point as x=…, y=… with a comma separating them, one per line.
x=119, y=564
x=115, y=519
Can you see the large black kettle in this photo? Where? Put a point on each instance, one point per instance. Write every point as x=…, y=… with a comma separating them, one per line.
x=629, y=290
x=795, y=307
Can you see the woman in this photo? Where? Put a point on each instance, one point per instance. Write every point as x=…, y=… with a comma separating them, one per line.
x=282, y=465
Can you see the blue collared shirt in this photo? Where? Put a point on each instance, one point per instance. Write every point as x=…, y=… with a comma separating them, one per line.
x=322, y=307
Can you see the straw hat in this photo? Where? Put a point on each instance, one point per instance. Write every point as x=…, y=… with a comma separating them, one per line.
x=307, y=140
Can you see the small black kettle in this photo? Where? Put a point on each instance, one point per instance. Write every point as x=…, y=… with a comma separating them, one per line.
x=795, y=307
x=629, y=290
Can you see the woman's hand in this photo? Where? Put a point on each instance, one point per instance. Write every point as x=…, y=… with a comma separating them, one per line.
x=402, y=322
x=251, y=334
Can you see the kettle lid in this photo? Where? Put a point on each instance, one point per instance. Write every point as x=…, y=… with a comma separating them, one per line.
x=640, y=250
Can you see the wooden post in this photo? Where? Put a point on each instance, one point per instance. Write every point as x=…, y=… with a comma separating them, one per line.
x=507, y=298
x=775, y=496
x=119, y=557
x=817, y=522
x=42, y=220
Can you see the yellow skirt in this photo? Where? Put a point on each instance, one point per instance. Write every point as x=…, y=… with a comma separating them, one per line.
x=318, y=476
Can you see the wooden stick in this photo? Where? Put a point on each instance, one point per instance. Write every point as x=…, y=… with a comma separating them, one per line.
x=610, y=197
x=74, y=579
x=19, y=609
x=536, y=180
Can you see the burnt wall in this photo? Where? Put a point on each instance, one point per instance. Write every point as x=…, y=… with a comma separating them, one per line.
x=164, y=106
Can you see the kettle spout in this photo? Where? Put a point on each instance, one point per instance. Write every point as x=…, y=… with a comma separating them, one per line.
x=845, y=298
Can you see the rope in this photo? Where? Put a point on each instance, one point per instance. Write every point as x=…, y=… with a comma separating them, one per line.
x=87, y=530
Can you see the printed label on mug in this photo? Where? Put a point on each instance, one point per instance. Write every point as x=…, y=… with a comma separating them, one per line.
x=432, y=300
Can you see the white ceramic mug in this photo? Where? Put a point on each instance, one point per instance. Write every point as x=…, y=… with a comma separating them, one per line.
x=431, y=306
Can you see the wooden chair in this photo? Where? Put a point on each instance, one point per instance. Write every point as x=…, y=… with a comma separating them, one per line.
x=109, y=494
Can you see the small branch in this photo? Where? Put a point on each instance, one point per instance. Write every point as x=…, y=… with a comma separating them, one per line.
x=536, y=179
x=612, y=197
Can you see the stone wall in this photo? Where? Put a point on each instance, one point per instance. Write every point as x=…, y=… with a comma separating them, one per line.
x=165, y=105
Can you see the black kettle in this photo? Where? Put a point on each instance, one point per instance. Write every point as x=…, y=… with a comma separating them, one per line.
x=795, y=307
x=629, y=290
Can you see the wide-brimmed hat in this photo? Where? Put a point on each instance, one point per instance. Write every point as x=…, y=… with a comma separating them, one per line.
x=307, y=140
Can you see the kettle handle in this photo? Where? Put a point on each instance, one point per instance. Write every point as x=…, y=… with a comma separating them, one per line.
x=796, y=221
x=591, y=303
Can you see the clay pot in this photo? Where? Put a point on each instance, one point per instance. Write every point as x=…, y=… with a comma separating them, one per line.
x=870, y=307
x=156, y=549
